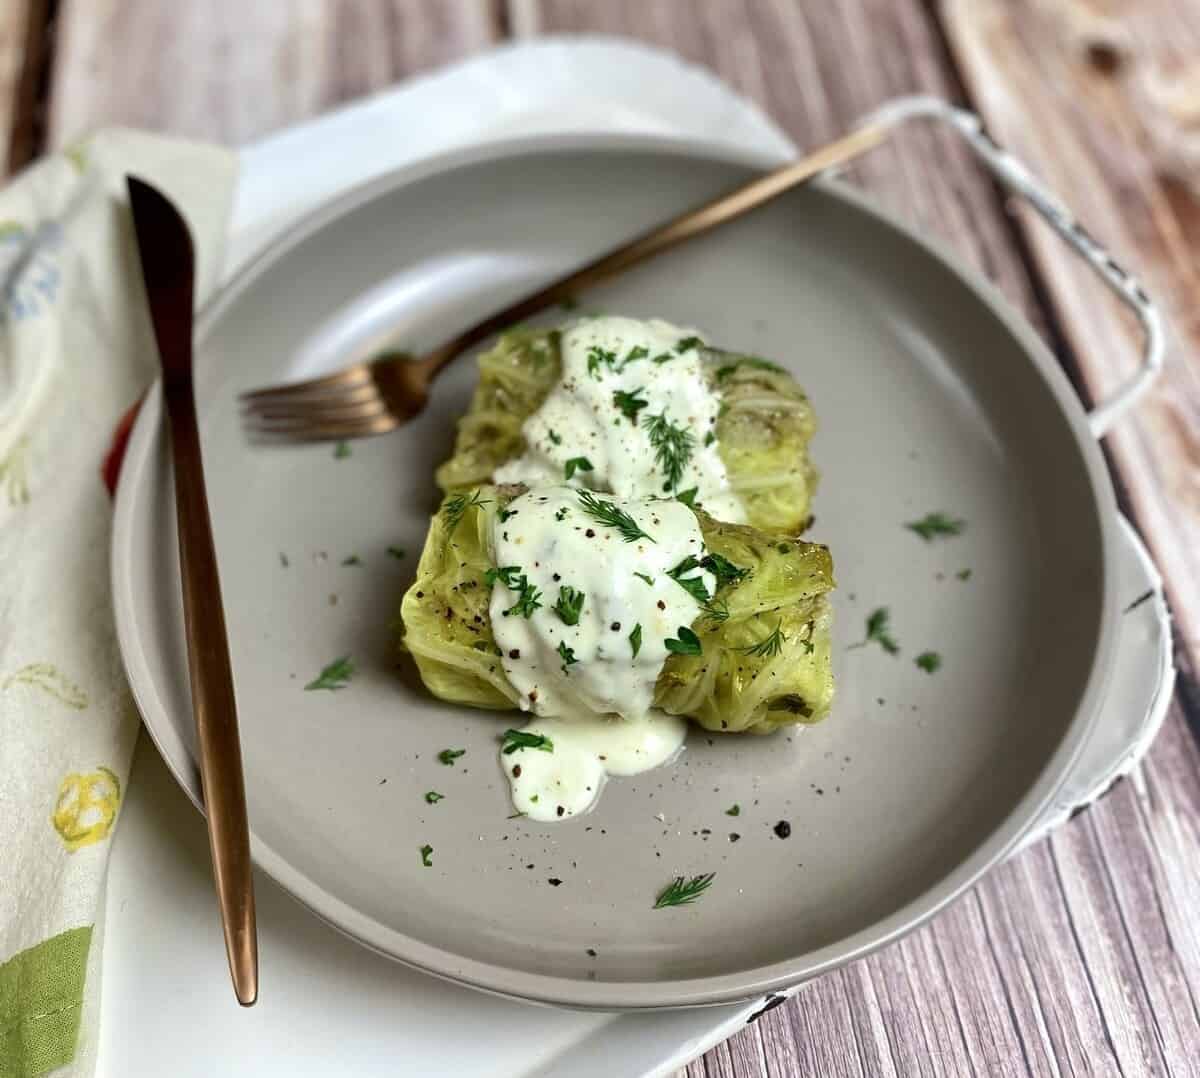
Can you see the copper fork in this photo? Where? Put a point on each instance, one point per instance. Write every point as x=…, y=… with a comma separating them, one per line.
x=376, y=396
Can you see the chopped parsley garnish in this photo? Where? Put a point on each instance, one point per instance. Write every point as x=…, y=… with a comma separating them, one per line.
x=681, y=892
x=354, y=559
x=929, y=661
x=455, y=508
x=508, y=575
x=688, y=343
x=963, y=574
x=733, y=810
x=523, y=739
x=635, y=353
x=879, y=631
x=561, y=514
x=528, y=598
x=635, y=639
x=580, y=464
x=688, y=497
x=506, y=515
x=687, y=644
x=748, y=361
x=426, y=854
x=555, y=439
x=334, y=676
x=448, y=756
x=629, y=404
x=341, y=451
x=710, y=437
x=569, y=605
x=432, y=797
x=723, y=569
x=396, y=552
x=769, y=646
x=693, y=585
x=936, y=526
x=663, y=357
x=648, y=579
x=598, y=357
x=716, y=611
x=611, y=517
x=567, y=655
x=673, y=446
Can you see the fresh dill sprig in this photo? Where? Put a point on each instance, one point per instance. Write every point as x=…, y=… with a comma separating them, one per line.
x=522, y=739
x=334, y=676
x=769, y=646
x=629, y=404
x=673, y=446
x=936, y=526
x=455, y=508
x=716, y=611
x=569, y=605
x=612, y=517
x=681, y=892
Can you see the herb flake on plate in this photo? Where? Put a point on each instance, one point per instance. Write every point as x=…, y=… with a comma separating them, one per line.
x=335, y=676
x=448, y=756
x=929, y=661
x=879, y=632
x=342, y=450
x=427, y=855
x=936, y=526
x=432, y=797
x=396, y=552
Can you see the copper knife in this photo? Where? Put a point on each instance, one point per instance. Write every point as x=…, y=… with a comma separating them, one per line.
x=168, y=269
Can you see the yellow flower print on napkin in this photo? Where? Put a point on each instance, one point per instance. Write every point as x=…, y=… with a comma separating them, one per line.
x=49, y=679
x=86, y=807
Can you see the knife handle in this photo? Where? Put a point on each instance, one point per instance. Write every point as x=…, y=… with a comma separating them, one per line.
x=213, y=703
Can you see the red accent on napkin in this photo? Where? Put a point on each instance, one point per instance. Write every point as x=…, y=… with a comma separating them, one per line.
x=110, y=470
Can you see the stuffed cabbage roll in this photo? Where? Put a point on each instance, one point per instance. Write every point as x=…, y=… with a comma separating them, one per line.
x=563, y=601
x=636, y=408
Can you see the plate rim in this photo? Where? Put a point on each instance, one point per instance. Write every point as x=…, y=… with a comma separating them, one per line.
x=620, y=995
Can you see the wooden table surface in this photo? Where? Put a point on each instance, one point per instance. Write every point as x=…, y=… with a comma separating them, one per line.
x=1082, y=955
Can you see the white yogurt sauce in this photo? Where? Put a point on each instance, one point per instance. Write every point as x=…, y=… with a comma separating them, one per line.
x=582, y=617
x=621, y=376
x=549, y=786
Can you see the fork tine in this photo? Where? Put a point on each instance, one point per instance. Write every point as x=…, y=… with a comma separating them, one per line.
x=350, y=378
x=306, y=431
x=359, y=402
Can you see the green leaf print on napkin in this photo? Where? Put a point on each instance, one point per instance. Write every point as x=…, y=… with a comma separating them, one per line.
x=49, y=679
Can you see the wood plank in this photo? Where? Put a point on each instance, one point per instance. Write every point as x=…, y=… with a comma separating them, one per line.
x=1095, y=134
x=1042, y=969
x=231, y=71
x=22, y=51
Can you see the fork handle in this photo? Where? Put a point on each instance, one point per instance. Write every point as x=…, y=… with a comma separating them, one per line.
x=693, y=222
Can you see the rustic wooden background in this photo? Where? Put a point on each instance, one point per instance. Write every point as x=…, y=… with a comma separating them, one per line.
x=1082, y=955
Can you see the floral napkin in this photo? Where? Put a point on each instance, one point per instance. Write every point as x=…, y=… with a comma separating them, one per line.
x=75, y=353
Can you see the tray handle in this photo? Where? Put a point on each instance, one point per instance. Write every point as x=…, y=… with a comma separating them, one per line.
x=1017, y=178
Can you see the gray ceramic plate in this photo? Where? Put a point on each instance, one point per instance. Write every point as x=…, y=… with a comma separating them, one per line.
x=932, y=396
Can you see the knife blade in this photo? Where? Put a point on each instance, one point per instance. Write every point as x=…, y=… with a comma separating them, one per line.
x=168, y=269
